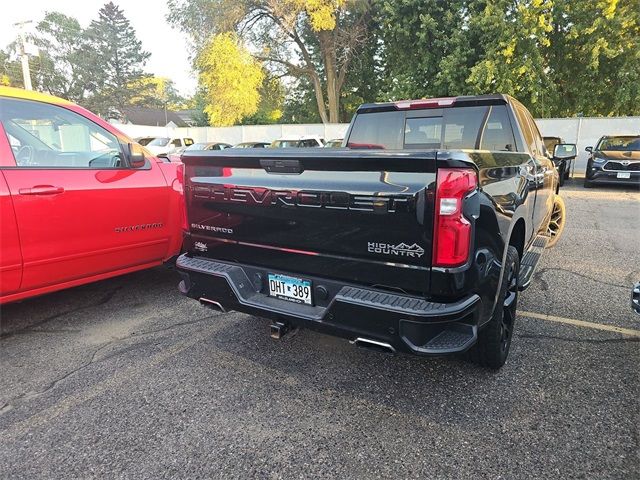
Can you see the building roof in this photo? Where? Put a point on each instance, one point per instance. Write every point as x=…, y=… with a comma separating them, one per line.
x=157, y=117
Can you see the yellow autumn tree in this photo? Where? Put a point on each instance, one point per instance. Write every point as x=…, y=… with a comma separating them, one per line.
x=232, y=79
x=311, y=40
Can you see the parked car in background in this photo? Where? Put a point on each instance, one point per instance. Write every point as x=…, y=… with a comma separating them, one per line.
x=420, y=243
x=335, y=143
x=144, y=141
x=615, y=159
x=563, y=165
x=167, y=145
x=303, y=141
x=208, y=146
x=635, y=298
x=79, y=200
x=252, y=145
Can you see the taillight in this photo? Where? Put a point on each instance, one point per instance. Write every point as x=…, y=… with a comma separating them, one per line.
x=183, y=196
x=452, y=235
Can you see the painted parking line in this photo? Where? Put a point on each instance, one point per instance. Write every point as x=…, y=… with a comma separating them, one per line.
x=581, y=323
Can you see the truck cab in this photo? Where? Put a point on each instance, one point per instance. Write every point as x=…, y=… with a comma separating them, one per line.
x=79, y=200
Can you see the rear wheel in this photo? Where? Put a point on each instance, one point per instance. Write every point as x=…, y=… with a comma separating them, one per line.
x=557, y=222
x=494, y=340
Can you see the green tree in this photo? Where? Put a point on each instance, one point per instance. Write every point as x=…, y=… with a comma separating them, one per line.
x=417, y=38
x=10, y=70
x=594, y=57
x=271, y=104
x=514, y=35
x=198, y=103
x=158, y=92
x=559, y=57
x=277, y=28
x=117, y=60
x=62, y=67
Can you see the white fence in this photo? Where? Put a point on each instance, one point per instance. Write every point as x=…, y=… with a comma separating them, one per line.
x=586, y=131
x=582, y=131
x=237, y=134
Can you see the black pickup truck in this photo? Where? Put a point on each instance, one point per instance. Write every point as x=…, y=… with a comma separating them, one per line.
x=415, y=237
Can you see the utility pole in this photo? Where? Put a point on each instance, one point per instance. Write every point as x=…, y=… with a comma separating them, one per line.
x=24, y=57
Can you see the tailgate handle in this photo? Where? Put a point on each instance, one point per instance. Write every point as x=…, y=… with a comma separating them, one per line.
x=281, y=166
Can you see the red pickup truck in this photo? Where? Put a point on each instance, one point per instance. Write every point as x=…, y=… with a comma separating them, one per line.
x=79, y=200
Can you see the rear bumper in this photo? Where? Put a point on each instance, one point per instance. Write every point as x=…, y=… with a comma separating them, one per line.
x=409, y=324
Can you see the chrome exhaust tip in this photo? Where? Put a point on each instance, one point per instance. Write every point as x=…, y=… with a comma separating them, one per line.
x=373, y=345
x=212, y=304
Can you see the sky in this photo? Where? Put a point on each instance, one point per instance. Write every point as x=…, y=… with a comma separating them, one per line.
x=169, y=48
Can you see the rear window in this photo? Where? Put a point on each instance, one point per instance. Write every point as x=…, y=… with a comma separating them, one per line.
x=483, y=127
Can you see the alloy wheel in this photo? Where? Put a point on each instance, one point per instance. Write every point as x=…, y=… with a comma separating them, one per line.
x=509, y=310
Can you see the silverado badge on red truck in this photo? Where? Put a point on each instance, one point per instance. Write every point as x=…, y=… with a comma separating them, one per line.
x=79, y=200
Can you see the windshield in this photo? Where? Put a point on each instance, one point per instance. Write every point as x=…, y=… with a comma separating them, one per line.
x=285, y=143
x=621, y=144
x=159, y=142
x=197, y=146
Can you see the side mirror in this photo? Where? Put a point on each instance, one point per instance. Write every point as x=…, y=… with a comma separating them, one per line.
x=136, y=156
x=565, y=151
x=589, y=149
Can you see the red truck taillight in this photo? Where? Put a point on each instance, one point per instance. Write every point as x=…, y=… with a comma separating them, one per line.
x=452, y=234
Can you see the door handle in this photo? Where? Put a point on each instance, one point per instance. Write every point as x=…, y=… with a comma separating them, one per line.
x=41, y=190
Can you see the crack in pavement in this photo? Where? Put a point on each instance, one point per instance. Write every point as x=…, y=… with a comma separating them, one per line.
x=548, y=269
x=10, y=403
x=26, y=425
x=32, y=328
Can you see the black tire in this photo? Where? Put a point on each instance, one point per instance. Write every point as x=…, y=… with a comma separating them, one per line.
x=494, y=340
x=587, y=183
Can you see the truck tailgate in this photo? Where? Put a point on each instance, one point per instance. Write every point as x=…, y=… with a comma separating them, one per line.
x=361, y=216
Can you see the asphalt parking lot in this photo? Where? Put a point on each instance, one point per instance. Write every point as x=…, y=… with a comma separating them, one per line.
x=127, y=379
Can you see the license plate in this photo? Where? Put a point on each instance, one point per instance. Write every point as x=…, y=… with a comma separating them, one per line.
x=624, y=175
x=290, y=288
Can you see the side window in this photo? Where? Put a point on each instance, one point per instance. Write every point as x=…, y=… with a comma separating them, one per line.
x=526, y=130
x=537, y=138
x=188, y=142
x=176, y=143
x=497, y=134
x=377, y=130
x=49, y=136
x=462, y=127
